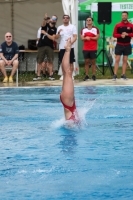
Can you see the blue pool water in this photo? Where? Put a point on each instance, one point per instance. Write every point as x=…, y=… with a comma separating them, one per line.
x=41, y=158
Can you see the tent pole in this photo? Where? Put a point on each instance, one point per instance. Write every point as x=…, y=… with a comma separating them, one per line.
x=12, y=18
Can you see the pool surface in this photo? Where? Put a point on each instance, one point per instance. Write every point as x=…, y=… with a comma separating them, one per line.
x=41, y=158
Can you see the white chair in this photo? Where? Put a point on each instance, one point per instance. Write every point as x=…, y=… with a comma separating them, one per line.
x=10, y=68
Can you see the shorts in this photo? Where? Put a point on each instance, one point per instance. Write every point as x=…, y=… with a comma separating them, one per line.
x=123, y=50
x=72, y=56
x=89, y=54
x=44, y=52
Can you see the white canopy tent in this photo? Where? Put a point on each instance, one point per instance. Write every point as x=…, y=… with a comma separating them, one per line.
x=70, y=8
x=24, y=17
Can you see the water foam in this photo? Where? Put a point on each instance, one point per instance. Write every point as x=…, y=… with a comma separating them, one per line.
x=82, y=116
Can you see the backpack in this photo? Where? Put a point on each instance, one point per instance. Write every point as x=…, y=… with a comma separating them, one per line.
x=32, y=45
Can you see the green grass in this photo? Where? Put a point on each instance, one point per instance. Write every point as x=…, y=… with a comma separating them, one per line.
x=28, y=76
x=107, y=74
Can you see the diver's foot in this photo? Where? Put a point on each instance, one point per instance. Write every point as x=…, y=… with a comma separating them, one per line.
x=68, y=45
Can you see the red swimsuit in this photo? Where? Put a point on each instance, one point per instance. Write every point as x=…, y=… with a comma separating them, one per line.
x=71, y=109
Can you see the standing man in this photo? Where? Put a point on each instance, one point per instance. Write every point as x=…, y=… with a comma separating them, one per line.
x=46, y=46
x=65, y=31
x=123, y=31
x=46, y=20
x=8, y=56
x=90, y=35
x=44, y=64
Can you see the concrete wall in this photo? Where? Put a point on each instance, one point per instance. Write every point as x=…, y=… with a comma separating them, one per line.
x=29, y=62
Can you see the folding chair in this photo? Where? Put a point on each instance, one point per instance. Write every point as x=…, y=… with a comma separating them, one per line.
x=10, y=68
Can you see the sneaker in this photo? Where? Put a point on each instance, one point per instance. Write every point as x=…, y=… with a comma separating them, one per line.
x=114, y=77
x=37, y=78
x=44, y=76
x=61, y=78
x=10, y=79
x=93, y=77
x=5, y=79
x=86, y=78
x=51, y=78
x=124, y=77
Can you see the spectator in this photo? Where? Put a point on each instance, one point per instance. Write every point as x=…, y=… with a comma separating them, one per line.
x=46, y=47
x=43, y=24
x=65, y=31
x=9, y=56
x=90, y=35
x=123, y=31
x=44, y=66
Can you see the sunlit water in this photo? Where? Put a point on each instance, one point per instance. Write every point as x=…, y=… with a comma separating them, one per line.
x=41, y=158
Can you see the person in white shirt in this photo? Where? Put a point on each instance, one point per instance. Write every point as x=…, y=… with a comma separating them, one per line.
x=65, y=31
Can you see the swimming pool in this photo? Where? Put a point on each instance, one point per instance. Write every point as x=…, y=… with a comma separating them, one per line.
x=41, y=158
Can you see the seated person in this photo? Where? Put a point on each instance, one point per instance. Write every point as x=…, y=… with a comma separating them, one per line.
x=67, y=94
x=8, y=56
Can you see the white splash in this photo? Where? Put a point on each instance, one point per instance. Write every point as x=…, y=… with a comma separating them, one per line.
x=82, y=116
x=58, y=123
x=22, y=172
x=84, y=110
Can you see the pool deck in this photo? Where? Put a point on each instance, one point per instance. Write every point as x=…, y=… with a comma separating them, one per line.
x=76, y=83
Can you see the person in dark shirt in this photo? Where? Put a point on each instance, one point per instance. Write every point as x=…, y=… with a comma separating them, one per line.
x=8, y=56
x=45, y=63
x=123, y=31
x=46, y=46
